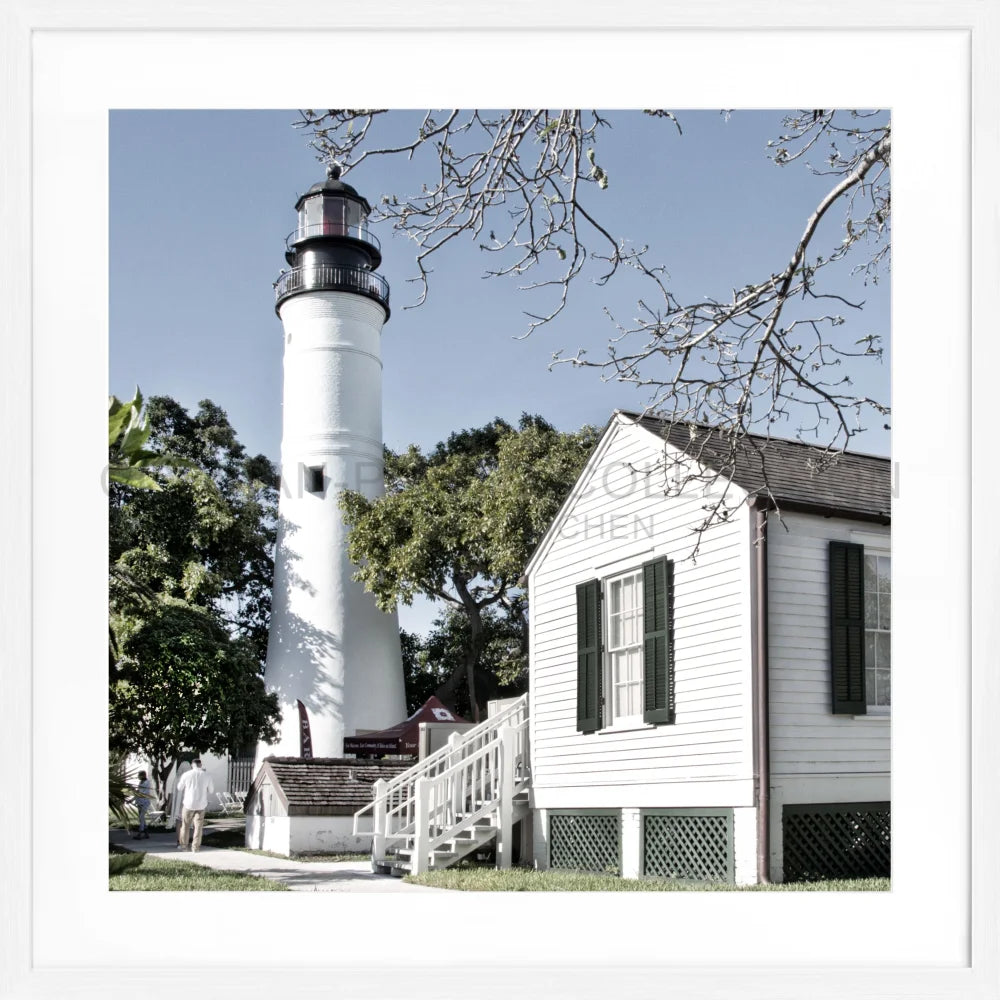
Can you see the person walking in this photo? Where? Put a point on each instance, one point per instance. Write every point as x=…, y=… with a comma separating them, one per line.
x=194, y=788
x=174, y=823
x=143, y=793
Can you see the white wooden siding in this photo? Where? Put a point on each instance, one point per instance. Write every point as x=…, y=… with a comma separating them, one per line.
x=806, y=737
x=707, y=752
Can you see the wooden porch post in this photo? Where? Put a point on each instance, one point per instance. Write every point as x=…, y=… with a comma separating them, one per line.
x=419, y=861
x=378, y=821
x=508, y=750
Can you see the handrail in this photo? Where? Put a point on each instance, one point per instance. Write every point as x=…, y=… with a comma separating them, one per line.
x=431, y=760
x=448, y=831
x=334, y=277
x=479, y=786
x=443, y=755
x=475, y=775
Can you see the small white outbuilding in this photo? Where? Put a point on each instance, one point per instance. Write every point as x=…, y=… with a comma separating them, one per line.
x=302, y=805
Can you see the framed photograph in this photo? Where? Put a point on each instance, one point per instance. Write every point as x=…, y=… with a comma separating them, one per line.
x=69, y=68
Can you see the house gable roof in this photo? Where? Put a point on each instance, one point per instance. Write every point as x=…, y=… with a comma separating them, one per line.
x=799, y=476
x=850, y=485
x=620, y=422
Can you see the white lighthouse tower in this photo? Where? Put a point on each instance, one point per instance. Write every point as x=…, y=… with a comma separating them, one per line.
x=333, y=657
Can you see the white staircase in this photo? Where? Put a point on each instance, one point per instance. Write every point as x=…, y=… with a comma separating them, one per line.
x=455, y=801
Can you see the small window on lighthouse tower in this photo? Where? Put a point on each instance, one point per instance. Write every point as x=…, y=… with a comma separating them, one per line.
x=314, y=479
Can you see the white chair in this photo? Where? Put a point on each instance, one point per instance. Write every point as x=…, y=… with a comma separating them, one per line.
x=230, y=805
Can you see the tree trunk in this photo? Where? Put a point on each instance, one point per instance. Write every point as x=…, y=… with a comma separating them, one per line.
x=446, y=692
x=161, y=773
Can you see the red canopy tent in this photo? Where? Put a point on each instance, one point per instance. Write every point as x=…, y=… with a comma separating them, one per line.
x=404, y=737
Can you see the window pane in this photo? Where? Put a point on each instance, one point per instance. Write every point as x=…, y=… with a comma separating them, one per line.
x=333, y=216
x=614, y=632
x=871, y=608
x=882, y=688
x=353, y=213
x=870, y=687
x=314, y=211
x=635, y=705
x=884, y=605
x=631, y=633
x=635, y=665
x=884, y=575
x=871, y=573
x=615, y=597
x=869, y=650
x=883, y=650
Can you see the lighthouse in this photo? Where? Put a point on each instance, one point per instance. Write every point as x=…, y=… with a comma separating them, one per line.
x=333, y=657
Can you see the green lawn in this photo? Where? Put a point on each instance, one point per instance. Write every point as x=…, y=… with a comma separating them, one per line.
x=157, y=875
x=527, y=880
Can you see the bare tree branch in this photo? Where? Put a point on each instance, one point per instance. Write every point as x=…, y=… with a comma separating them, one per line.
x=519, y=182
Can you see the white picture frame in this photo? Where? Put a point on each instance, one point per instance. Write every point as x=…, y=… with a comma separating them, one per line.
x=426, y=948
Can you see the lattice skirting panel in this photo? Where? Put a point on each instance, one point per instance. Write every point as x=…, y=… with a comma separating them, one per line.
x=589, y=842
x=693, y=844
x=836, y=840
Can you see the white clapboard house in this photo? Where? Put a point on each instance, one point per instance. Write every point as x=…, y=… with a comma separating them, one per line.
x=716, y=717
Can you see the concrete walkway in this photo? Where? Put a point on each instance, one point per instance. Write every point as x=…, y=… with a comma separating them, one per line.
x=302, y=876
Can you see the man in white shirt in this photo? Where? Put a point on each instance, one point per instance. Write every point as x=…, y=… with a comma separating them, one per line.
x=194, y=788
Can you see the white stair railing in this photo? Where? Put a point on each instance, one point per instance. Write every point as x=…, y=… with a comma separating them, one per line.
x=483, y=785
x=475, y=775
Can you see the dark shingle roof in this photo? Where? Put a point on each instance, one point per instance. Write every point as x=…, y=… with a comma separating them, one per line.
x=798, y=475
x=326, y=785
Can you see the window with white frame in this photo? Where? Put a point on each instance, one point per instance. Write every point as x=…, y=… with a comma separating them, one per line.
x=624, y=665
x=625, y=648
x=878, y=651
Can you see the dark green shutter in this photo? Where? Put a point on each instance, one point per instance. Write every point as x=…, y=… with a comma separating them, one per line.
x=847, y=627
x=658, y=650
x=588, y=656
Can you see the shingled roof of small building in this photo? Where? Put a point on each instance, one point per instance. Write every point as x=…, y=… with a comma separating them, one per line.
x=325, y=786
x=799, y=476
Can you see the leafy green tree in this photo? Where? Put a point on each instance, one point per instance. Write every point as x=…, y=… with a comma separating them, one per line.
x=206, y=535
x=421, y=676
x=184, y=684
x=128, y=457
x=459, y=524
x=502, y=670
x=190, y=567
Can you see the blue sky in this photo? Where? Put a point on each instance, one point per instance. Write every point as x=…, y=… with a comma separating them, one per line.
x=201, y=202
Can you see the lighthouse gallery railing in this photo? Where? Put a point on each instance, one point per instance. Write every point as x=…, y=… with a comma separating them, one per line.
x=332, y=277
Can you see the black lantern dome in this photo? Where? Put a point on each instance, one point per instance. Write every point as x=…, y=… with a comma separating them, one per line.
x=331, y=248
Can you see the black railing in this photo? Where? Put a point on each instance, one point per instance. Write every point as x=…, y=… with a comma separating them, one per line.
x=317, y=229
x=332, y=277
